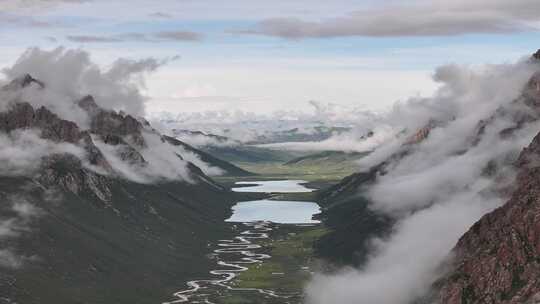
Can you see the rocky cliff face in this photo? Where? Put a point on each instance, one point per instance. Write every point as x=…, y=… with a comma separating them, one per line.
x=23, y=116
x=497, y=260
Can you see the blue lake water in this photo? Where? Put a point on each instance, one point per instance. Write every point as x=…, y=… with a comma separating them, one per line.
x=283, y=212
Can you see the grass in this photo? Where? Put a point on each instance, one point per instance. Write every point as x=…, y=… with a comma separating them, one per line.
x=317, y=177
x=308, y=172
x=290, y=246
x=289, y=268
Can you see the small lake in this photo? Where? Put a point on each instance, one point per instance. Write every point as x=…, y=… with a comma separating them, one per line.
x=281, y=212
x=283, y=186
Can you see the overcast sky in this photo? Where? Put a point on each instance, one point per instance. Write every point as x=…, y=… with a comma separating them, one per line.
x=261, y=56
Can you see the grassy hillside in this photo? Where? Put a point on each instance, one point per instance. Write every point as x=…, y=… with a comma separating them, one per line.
x=333, y=158
x=210, y=159
x=139, y=248
x=324, y=166
x=250, y=154
x=345, y=211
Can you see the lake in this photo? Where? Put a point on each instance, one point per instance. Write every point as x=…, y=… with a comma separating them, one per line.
x=282, y=212
x=282, y=186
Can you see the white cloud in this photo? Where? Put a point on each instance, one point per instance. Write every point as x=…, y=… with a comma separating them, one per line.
x=280, y=87
x=67, y=76
x=420, y=18
x=440, y=187
x=14, y=226
x=21, y=152
x=70, y=74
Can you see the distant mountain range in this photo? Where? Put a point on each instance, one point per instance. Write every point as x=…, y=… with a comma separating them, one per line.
x=230, y=150
x=252, y=131
x=317, y=133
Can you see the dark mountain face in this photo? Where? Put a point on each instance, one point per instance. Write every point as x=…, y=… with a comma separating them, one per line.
x=353, y=224
x=496, y=261
x=139, y=247
x=77, y=229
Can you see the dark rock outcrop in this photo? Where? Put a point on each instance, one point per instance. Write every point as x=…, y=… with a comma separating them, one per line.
x=105, y=123
x=22, y=116
x=88, y=104
x=498, y=259
x=536, y=55
x=67, y=172
x=23, y=82
x=421, y=134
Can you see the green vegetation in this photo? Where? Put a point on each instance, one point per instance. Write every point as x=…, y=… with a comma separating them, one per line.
x=309, y=172
x=227, y=167
x=333, y=157
x=325, y=166
x=287, y=271
x=250, y=154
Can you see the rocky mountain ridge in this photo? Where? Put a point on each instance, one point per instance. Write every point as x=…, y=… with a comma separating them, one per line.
x=497, y=259
x=76, y=230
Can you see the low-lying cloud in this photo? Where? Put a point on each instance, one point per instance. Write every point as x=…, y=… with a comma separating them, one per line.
x=246, y=127
x=21, y=152
x=437, y=187
x=71, y=74
x=22, y=213
x=64, y=77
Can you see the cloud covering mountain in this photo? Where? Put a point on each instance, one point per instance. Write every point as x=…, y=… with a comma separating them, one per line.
x=450, y=162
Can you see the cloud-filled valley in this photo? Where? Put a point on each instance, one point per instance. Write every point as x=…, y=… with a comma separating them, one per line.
x=438, y=184
x=376, y=152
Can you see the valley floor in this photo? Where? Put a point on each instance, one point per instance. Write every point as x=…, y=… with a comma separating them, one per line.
x=289, y=268
x=290, y=261
x=285, y=263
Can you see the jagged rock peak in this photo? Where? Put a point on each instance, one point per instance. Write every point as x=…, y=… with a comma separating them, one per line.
x=23, y=82
x=88, y=103
x=536, y=55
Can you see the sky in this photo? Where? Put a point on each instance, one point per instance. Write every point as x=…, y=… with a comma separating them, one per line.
x=265, y=56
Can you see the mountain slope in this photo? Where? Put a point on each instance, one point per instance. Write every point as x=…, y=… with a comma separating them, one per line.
x=105, y=211
x=229, y=150
x=423, y=183
x=226, y=166
x=327, y=157
x=497, y=260
x=239, y=154
x=353, y=224
x=141, y=248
